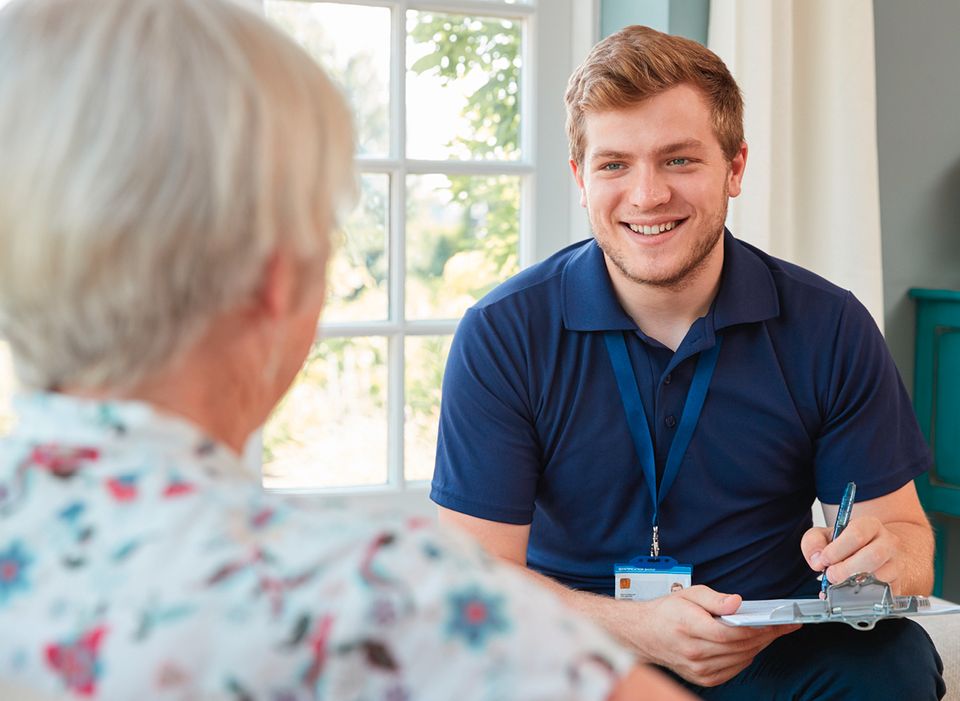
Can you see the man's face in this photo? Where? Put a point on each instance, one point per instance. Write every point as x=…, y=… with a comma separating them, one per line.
x=655, y=183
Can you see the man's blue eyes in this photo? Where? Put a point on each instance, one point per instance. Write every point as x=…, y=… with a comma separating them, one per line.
x=672, y=162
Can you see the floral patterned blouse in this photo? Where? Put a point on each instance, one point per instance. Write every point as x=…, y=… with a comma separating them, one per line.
x=141, y=560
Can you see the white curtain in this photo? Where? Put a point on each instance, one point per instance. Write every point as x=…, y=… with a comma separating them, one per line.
x=811, y=192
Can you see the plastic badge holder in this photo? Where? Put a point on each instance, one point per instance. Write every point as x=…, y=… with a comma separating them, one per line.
x=646, y=578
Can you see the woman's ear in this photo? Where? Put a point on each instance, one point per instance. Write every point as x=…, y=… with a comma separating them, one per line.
x=276, y=296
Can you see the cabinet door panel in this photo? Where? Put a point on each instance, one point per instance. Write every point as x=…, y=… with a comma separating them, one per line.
x=945, y=436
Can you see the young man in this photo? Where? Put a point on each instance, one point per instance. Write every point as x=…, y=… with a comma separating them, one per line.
x=665, y=388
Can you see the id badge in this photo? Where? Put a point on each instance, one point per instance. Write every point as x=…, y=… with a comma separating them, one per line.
x=646, y=578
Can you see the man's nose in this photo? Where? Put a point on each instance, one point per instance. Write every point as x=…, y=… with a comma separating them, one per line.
x=649, y=189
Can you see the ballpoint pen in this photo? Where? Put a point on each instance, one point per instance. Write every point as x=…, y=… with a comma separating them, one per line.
x=843, y=518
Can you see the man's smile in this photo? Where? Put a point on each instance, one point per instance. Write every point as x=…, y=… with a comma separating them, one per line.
x=654, y=229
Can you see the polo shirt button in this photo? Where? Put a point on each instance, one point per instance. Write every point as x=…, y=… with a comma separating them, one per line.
x=667, y=379
x=670, y=421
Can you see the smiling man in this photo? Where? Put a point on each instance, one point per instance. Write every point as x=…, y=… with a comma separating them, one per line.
x=663, y=403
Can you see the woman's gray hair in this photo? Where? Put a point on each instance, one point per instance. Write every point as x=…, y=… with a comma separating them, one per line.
x=153, y=155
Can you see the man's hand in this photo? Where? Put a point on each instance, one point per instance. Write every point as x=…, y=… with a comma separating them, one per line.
x=888, y=536
x=865, y=545
x=680, y=632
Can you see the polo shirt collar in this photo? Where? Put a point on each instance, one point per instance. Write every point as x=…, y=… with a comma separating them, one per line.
x=747, y=291
x=589, y=302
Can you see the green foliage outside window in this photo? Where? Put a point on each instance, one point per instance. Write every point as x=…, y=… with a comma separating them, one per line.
x=462, y=239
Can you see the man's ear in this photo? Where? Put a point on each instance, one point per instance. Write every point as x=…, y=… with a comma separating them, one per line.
x=738, y=164
x=578, y=176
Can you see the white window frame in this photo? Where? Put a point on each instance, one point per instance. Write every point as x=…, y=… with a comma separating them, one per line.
x=557, y=35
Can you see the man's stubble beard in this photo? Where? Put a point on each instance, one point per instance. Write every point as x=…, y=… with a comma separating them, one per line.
x=688, y=271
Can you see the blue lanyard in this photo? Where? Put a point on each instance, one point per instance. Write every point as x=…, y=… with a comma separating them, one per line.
x=637, y=420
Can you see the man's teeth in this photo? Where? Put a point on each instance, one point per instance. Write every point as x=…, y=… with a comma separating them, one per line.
x=651, y=230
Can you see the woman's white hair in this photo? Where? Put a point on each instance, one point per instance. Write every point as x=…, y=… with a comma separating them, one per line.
x=153, y=155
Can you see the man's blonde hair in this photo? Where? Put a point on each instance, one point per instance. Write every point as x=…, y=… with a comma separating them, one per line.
x=637, y=63
x=153, y=155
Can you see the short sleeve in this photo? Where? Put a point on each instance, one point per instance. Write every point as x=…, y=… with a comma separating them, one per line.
x=488, y=457
x=870, y=434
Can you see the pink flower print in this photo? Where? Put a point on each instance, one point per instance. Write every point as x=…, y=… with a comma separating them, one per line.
x=76, y=661
x=123, y=487
x=476, y=616
x=62, y=461
x=262, y=518
x=418, y=523
x=178, y=488
x=319, y=640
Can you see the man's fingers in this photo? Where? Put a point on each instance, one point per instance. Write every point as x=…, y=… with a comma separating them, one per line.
x=854, y=538
x=872, y=558
x=711, y=669
x=725, y=638
x=813, y=543
x=865, y=547
x=855, y=550
x=719, y=663
x=713, y=602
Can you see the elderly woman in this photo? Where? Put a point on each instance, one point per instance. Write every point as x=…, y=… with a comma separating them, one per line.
x=170, y=173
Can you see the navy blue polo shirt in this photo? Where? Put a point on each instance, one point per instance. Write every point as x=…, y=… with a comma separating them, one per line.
x=805, y=397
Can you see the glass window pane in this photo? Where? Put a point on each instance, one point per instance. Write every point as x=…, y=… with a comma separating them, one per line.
x=352, y=42
x=463, y=236
x=425, y=358
x=6, y=389
x=330, y=429
x=463, y=86
x=357, y=277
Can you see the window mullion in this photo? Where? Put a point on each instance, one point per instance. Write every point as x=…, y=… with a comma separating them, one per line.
x=396, y=394
x=528, y=144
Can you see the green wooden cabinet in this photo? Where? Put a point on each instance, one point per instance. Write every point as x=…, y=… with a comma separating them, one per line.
x=936, y=399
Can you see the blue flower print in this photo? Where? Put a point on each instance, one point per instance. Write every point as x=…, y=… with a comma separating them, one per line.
x=476, y=616
x=14, y=562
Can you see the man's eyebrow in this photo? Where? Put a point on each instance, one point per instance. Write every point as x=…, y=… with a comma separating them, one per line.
x=685, y=145
x=609, y=154
x=671, y=148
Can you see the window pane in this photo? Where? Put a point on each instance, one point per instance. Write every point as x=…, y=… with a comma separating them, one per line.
x=330, y=429
x=463, y=86
x=463, y=237
x=352, y=42
x=357, y=277
x=425, y=358
x=6, y=386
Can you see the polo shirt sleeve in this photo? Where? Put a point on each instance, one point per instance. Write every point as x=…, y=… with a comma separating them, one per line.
x=488, y=456
x=870, y=433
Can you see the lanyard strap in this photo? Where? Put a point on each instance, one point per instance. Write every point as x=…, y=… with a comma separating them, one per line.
x=637, y=421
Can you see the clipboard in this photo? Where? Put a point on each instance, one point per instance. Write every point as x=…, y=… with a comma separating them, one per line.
x=859, y=601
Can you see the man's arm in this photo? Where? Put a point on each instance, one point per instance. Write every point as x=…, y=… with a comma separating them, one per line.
x=889, y=536
x=678, y=631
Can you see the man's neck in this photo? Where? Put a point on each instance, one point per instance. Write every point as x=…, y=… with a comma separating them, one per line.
x=667, y=313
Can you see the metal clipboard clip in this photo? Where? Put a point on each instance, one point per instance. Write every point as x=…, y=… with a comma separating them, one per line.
x=860, y=600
